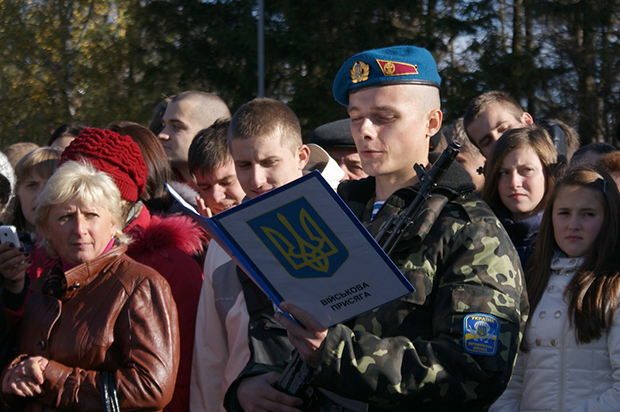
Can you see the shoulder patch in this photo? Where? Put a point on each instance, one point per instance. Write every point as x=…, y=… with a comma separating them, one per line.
x=480, y=332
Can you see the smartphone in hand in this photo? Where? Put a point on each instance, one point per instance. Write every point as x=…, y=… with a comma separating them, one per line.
x=8, y=234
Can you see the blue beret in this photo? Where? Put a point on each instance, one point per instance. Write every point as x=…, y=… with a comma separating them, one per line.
x=379, y=67
x=334, y=134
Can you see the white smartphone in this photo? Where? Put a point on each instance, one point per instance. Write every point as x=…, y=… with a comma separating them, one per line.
x=8, y=234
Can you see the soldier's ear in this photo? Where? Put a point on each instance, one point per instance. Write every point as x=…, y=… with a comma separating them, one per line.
x=434, y=122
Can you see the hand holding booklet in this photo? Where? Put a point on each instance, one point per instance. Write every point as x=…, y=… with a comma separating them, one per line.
x=300, y=243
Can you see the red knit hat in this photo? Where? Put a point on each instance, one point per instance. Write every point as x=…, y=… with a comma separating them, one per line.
x=116, y=155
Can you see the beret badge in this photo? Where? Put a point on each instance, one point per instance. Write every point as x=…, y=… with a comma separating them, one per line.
x=359, y=72
x=392, y=68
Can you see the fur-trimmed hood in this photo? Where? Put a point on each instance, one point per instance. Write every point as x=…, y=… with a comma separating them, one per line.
x=162, y=232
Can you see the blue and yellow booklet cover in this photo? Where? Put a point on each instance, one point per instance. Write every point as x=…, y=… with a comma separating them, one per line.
x=300, y=243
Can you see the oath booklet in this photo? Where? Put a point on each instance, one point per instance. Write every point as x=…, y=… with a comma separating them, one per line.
x=300, y=243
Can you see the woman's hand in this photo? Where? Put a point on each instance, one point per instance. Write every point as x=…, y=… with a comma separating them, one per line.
x=14, y=260
x=25, y=378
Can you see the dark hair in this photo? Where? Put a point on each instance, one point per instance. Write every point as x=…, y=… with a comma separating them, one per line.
x=260, y=118
x=593, y=291
x=209, y=149
x=599, y=148
x=156, y=197
x=534, y=137
x=67, y=129
x=480, y=104
x=156, y=125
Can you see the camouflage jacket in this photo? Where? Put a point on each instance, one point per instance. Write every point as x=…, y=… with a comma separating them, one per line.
x=410, y=354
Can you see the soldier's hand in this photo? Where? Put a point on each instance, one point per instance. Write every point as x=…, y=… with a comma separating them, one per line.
x=257, y=394
x=308, y=341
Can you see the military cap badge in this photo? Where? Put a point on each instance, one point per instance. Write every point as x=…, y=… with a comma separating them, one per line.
x=390, y=68
x=387, y=66
x=359, y=72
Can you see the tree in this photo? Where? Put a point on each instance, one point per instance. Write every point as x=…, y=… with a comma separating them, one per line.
x=68, y=60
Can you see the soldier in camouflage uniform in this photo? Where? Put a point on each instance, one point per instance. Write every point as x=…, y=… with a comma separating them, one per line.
x=451, y=344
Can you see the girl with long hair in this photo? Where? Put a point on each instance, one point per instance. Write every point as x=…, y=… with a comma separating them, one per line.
x=518, y=178
x=570, y=358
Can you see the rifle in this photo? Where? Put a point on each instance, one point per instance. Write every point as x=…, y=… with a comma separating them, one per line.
x=295, y=379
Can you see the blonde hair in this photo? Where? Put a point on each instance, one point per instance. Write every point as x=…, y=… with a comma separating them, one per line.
x=84, y=183
x=41, y=162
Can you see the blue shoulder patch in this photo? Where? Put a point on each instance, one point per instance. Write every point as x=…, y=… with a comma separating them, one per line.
x=480, y=332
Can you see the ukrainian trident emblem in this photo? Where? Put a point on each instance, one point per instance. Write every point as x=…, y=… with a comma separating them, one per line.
x=359, y=72
x=300, y=240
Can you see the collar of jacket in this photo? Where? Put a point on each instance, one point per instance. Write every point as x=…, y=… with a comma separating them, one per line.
x=455, y=182
x=360, y=195
x=83, y=274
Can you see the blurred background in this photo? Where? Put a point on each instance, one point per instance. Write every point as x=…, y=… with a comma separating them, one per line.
x=99, y=61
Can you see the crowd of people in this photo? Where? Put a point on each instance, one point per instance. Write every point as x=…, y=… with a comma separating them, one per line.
x=115, y=299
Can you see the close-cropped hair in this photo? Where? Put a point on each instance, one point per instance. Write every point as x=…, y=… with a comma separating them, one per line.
x=426, y=98
x=41, y=162
x=482, y=102
x=533, y=137
x=592, y=294
x=263, y=118
x=455, y=132
x=209, y=149
x=157, y=164
x=206, y=107
x=599, y=148
x=82, y=182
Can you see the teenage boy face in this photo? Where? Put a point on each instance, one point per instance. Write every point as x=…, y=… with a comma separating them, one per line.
x=265, y=163
x=491, y=125
x=220, y=188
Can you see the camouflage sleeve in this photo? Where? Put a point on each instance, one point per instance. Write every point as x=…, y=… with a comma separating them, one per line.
x=412, y=352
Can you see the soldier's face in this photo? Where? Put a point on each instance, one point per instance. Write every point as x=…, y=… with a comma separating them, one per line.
x=390, y=132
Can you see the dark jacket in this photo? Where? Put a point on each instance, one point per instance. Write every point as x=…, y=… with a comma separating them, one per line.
x=523, y=233
x=116, y=315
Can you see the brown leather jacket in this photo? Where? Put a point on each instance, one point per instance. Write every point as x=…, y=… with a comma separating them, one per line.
x=117, y=315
